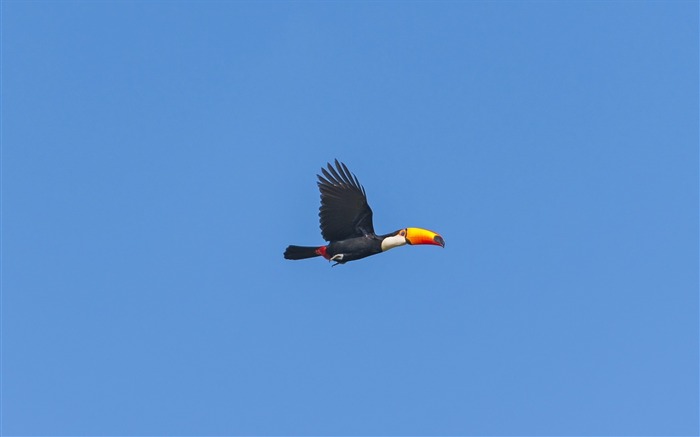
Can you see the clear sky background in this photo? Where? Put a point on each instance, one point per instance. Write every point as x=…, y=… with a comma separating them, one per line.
x=157, y=158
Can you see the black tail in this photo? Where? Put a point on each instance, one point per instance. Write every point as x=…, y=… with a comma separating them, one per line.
x=303, y=252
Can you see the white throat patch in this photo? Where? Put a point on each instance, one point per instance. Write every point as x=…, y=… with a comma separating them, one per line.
x=392, y=242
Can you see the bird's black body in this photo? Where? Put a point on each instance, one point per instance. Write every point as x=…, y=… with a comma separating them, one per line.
x=355, y=248
x=346, y=221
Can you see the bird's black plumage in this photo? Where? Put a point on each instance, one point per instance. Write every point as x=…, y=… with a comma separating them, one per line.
x=344, y=211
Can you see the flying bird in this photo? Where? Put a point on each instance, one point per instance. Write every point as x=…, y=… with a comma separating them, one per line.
x=346, y=223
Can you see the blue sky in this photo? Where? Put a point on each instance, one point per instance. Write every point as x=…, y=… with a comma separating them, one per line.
x=157, y=158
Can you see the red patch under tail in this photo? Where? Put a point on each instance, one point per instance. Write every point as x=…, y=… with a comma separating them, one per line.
x=322, y=251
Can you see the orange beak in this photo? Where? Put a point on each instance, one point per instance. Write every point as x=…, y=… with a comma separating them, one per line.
x=423, y=236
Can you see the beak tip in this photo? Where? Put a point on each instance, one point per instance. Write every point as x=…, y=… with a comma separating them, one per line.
x=439, y=240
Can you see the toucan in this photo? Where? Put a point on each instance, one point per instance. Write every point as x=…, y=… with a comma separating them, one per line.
x=346, y=223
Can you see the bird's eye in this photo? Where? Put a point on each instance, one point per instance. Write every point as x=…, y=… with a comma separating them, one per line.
x=402, y=233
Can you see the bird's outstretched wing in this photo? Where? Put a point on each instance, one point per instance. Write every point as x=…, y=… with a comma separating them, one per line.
x=344, y=211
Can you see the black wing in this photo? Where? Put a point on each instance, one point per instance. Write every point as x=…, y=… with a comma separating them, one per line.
x=344, y=210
